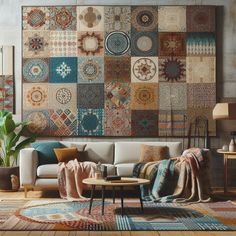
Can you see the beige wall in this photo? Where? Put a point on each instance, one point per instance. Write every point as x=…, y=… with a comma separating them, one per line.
x=10, y=34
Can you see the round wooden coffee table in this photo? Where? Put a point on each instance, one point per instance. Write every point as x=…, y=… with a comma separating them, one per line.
x=136, y=182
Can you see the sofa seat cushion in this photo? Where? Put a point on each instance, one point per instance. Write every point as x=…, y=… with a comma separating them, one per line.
x=125, y=169
x=51, y=170
x=47, y=171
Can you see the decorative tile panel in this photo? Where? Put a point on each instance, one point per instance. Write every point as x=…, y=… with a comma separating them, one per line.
x=132, y=71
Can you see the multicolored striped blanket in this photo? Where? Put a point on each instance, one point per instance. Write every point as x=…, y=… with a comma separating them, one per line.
x=179, y=179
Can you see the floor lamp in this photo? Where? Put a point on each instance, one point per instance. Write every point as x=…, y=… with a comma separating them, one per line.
x=226, y=111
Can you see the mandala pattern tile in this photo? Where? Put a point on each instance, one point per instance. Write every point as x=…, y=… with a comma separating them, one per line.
x=201, y=70
x=36, y=44
x=144, y=96
x=63, y=122
x=7, y=93
x=172, y=69
x=117, y=122
x=201, y=95
x=201, y=44
x=63, y=96
x=117, y=95
x=172, y=123
x=63, y=18
x=91, y=122
x=201, y=18
x=63, y=43
x=144, y=69
x=90, y=96
x=144, y=44
x=173, y=96
x=117, y=69
x=144, y=123
x=117, y=43
x=63, y=70
x=145, y=18
x=38, y=121
x=90, y=43
x=203, y=112
x=172, y=19
x=90, y=70
x=35, y=96
x=35, y=18
x=90, y=18
x=172, y=44
x=35, y=70
x=117, y=19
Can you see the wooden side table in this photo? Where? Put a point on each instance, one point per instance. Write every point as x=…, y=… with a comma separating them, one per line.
x=227, y=155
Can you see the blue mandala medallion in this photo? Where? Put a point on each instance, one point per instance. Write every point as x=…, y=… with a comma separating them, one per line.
x=35, y=70
x=117, y=43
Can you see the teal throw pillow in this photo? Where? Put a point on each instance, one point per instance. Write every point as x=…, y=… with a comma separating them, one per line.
x=46, y=154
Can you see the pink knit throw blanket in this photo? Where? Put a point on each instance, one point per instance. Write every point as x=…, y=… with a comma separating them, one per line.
x=70, y=177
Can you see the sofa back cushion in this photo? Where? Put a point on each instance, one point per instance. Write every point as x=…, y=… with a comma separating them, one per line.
x=129, y=152
x=45, y=149
x=96, y=151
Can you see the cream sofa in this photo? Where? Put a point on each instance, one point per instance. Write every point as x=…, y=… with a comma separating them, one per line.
x=119, y=157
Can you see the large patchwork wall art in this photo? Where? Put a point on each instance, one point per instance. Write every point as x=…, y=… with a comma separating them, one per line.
x=117, y=70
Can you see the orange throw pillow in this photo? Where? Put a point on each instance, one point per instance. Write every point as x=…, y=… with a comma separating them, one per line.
x=66, y=154
x=153, y=153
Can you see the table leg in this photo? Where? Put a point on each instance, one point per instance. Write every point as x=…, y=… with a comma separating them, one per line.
x=113, y=195
x=140, y=198
x=91, y=198
x=122, y=200
x=225, y=173
x=103, y=199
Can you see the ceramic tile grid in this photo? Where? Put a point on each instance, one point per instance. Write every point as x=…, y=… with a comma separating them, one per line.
x=117, y=70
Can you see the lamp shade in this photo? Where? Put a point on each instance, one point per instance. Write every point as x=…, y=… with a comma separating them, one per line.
x=226, y=111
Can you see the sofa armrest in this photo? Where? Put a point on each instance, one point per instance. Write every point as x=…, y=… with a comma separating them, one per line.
x=28, y=166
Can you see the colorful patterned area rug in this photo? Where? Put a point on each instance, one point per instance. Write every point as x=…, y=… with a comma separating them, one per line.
x=73, y=215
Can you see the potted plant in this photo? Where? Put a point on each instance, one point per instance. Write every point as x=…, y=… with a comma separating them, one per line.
x=10, y=145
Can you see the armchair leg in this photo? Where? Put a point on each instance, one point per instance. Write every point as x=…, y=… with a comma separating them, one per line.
x=25, y=190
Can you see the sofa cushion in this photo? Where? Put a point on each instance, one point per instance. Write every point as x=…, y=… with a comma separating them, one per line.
x=125, y=169
x=48, y=171
x=46, y=154
x=111, y=169
x=66, y=154
x=153, y=153
x=96, y=151
x=129, y=152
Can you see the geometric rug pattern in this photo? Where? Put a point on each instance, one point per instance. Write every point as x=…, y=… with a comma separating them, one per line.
x=73, y=215
x=110, y=70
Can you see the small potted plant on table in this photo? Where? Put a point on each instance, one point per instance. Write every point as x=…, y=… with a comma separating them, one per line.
x=11, y=142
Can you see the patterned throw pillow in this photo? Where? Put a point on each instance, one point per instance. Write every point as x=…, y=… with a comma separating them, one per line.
x=153, y=153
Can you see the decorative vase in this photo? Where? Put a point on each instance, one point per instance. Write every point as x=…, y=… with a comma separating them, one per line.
x=9, y=178
x=232, y=145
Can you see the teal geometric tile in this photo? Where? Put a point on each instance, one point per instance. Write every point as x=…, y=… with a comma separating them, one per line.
x=91, y=122
x=63, y=70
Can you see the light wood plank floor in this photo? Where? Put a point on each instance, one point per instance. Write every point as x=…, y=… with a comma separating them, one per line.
x=34, y=195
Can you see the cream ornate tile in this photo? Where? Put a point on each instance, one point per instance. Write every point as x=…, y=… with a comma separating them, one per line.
x=201, y=70
x=36, y=44
x=90, y=18
x=35, y=96
x=172, y=19
x=144, y=69
x=35, y=18
x=63, y=43
x=63, y=96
